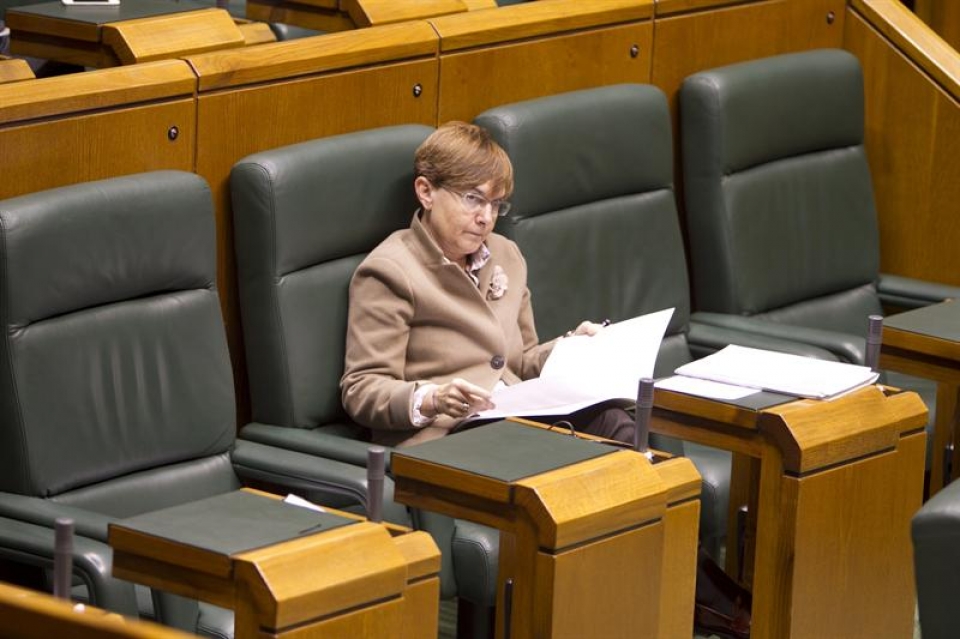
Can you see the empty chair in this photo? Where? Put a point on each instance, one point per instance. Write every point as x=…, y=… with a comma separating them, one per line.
x=595, y=217
x=117, y=395
x=779, y=204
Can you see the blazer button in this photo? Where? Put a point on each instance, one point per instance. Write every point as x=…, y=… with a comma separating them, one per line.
x=497, y=362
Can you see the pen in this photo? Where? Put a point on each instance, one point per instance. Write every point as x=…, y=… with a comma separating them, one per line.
x=605, y=322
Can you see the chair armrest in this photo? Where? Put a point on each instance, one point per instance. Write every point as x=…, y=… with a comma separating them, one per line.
x=329, y=442
x=44, y=512
x=303, y=472
x=908, y=293
x=823, y=344
x=32, y=544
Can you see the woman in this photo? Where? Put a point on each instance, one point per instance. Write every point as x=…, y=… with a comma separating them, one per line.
x=440, y=312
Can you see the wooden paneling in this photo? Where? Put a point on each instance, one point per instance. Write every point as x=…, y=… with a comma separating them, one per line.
x=70, y=129
x=475, y=80
x=172, y=35
x=366, y=13
x=943, y=16
x=535, y=19
x=912, y=123
x=14, y=70
x=691, y=42
x=332, y=52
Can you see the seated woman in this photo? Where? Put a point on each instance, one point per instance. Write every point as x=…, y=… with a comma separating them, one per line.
x=440, y=313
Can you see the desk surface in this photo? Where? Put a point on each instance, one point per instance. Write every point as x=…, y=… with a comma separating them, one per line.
x=938, y=325
x=99, y=15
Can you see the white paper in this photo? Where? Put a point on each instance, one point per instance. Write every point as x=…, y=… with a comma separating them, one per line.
x=779, y=372
x=705, y=388
x=296, y=500
x=585, y=370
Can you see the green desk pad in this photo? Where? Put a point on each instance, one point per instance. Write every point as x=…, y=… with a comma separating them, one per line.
x=759, y=400
x=938, y=320
x=234, y=522
x=507, y=451
x=101, y=14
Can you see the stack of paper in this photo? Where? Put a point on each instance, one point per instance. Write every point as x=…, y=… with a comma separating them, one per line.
x=586, y=370
x=779, y=372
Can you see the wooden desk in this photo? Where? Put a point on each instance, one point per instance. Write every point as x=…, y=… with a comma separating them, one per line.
x=831, y=487
x=926, y=342
x=28, y=614
x=600, y=547
x=353, y=578
x=134, y=31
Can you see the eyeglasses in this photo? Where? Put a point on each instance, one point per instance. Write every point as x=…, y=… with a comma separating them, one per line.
x=474, y=202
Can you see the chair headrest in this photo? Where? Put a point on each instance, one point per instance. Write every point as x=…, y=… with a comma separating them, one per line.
x=86, y=245
x=584, y=146
x=329, y=198
x=820, y=93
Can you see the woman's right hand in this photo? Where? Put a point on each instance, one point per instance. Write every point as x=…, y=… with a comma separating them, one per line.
x=458, y=399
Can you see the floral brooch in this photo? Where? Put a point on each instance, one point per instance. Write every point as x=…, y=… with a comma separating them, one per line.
x=498, y=284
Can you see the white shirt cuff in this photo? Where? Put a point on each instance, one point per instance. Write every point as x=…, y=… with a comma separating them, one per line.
x=416, y=417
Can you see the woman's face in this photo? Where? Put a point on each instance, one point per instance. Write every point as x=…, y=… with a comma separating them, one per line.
x=459, y=221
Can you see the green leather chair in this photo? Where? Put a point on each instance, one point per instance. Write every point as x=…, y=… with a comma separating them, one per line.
x=936, y=557
x=116, y=391
x=594, y=215
x=779, y=205
x=305, y=216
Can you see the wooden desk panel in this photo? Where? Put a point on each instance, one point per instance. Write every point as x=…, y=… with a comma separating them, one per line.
x=14, y=70
x=912, y=117
x=474, y=80
x=28, y=614
x=827, y=547
x=70, y=129
x=717, y=34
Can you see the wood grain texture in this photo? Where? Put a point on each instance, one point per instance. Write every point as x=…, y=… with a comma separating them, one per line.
x=859, y=544
x=318, y=575
x=172, y=35
x=911, y=120
x=79, y=148
x=475, y=80
x=815, y=434
x=28, y=614
x=319, y=54
x=255, y=32
x=591, y=499
x=535, y=19
x=76, y=52
x=301, y=14
x=679, y=567
x=14, y=70
x=942, y=17
x=367, y=13
x=705, y=39
x=102, y=89
x=609, y=588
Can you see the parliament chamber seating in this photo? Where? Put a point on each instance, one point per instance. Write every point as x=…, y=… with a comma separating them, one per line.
x=594, y=214
x=305, y=216
x=780, y=209
x=936, y=553
x=117, y=394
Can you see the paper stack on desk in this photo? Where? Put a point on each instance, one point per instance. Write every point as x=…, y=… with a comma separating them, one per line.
x=583, y=370
x=779, y=372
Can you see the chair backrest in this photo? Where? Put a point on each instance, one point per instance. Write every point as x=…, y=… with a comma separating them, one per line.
x=935, y=531
x=594, y=211
x=323, y=205
x=778, y=196
x=116, y=390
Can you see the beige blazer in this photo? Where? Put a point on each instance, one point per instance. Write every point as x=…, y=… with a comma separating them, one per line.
x=417, y=318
